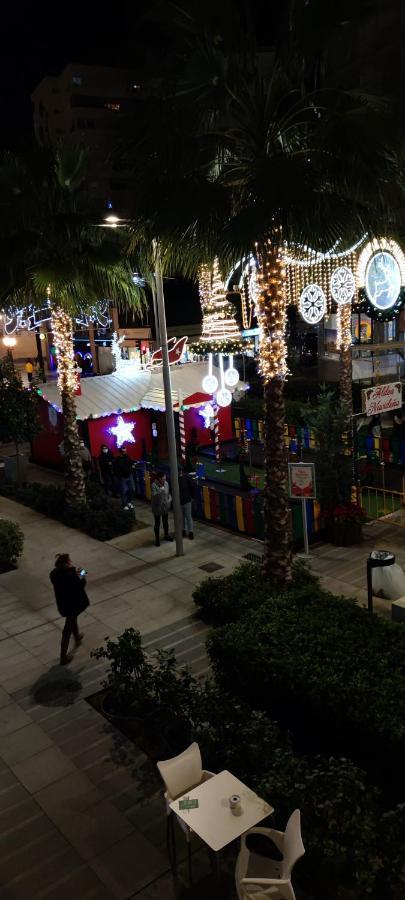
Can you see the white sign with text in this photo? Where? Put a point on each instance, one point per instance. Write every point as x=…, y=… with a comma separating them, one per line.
x=382, y=398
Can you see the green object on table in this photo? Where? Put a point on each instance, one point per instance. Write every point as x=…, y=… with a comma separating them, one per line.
x=188, y=804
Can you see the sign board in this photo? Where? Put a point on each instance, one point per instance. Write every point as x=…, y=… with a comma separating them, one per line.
x=382, y=398
x=301, y=481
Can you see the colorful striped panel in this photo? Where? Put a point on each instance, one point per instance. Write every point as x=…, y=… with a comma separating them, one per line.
x=239, y=513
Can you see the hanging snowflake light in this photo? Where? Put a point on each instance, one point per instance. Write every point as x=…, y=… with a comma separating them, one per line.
x=312, y=304
x=342, y=285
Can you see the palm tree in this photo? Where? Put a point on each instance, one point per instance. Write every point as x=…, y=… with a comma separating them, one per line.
x=54, y=251
x=271, y=169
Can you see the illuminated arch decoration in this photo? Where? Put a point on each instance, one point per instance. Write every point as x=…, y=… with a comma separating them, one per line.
x=312, y=305
x=381, y=278
x=342, y=285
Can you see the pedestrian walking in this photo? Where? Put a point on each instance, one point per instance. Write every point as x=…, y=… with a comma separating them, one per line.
x=161, y=501
x=186, y=488
x=86, y=460
x=29, y=368
x=123, y=468
x=106, y=468
x=71, y=599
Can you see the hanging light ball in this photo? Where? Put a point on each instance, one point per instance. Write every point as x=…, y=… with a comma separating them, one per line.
x=210, y=384
x=231, y=377
x=224, y=397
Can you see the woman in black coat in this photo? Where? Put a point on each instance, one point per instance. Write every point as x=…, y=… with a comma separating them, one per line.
x=71, y=599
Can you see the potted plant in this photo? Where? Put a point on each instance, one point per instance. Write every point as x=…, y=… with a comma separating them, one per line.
x=343, y=524
x=330, y=420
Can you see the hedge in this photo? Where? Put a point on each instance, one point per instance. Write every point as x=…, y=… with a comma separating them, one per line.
x=101, y=517
x=11, y=544
x=224, y=600
x=352, y=840
x=325, y=669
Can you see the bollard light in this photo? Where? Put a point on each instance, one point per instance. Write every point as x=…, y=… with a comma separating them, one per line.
x=377, y=559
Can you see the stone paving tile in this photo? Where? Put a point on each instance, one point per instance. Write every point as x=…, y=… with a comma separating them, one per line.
x=12, y=717
x=42, y=769
x=21, y=744
x=129, y=866
x=5, y=698
x=32, y=831
x=81, y=884
x=169, y=583
x=67, y=797
x=96, y=829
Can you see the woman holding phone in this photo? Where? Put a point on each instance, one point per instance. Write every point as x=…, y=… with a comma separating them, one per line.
x=71, y=599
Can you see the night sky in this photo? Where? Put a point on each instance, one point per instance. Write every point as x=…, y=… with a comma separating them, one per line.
x=40, y=38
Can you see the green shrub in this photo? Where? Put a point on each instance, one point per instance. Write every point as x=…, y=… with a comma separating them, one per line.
x=101, y=517
x=11, y=543
x=225, y=600
x=326, y=670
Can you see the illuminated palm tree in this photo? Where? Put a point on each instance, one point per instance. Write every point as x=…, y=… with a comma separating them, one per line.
x=54, y=251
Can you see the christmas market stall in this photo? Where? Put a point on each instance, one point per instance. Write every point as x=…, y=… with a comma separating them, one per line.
x=127, y=408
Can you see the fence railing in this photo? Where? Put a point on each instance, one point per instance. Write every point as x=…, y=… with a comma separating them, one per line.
x=236, y=511
x=295, y=436
x=380, y=502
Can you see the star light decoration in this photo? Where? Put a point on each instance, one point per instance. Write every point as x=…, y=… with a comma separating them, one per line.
x=122, y=432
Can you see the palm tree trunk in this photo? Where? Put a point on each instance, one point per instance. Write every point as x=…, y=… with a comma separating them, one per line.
x=345, y=374
x=277, y=538
x=75, y=492
x=273, y=368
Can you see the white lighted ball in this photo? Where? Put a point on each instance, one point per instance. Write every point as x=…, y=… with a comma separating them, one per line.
x=224, y=397
x=210, y=384
x=231, y=377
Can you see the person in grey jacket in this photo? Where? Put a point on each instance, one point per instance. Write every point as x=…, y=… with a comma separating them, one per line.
x=161, y=501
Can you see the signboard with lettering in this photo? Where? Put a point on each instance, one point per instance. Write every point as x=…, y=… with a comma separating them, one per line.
x=382, y=398
x=301, y=479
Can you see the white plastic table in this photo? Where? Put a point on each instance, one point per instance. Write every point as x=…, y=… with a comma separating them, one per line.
x=213, y=820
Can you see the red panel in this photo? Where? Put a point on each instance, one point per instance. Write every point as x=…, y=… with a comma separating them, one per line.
x=192, y=419
x=45, y=444
x=99, y=433
x=214, y=505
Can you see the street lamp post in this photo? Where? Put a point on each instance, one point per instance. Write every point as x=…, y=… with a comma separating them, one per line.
x=171, y=434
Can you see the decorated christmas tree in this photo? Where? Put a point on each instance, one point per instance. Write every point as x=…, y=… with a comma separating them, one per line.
x=220, y=331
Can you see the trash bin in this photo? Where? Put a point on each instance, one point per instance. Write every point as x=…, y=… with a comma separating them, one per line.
x=388, y=580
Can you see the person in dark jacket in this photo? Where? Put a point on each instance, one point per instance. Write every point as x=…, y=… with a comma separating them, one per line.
x=186, y=488
x=106, y=469
x=123, y=468
x=71, y=599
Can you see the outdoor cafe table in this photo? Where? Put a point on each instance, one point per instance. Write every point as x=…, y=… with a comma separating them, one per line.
x=213, y=820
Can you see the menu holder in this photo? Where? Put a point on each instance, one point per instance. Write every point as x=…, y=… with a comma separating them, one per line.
x=186, y=803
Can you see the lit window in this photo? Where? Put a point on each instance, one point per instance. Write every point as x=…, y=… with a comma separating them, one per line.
x=77, y=79
x=114, y=106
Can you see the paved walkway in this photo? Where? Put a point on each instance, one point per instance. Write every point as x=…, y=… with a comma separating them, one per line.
x=81, y=810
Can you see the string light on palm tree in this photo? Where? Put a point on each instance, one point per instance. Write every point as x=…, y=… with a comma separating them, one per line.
x=272, y=316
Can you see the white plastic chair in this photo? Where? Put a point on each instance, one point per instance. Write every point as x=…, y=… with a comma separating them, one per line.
x=260, y=877
x=180, y=774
